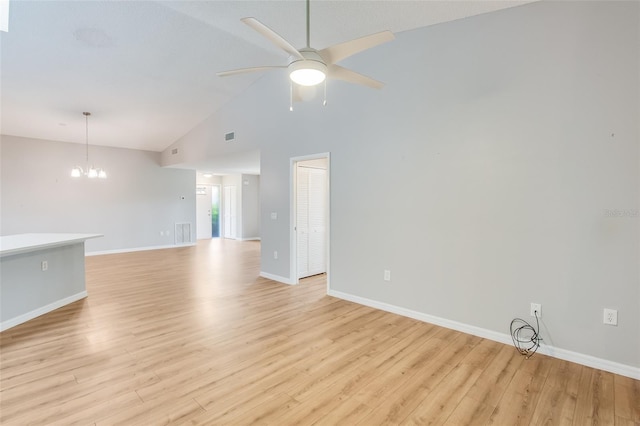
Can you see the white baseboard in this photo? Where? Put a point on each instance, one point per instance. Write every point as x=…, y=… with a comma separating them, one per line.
x=5, y=325
x=578, y=358
x=276, y=278
x=592, y=361
x=249, y=239
x=130, y=250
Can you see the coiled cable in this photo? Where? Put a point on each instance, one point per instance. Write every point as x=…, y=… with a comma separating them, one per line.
x=525, y=338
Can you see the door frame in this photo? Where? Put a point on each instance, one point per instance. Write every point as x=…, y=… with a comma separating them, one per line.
x=293, y=197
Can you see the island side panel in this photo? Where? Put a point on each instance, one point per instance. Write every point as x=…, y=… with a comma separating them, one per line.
x=26, y=291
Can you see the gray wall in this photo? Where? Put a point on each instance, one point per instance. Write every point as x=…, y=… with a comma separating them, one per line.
x=250, y=207
x=137, y=201
x=483, y=175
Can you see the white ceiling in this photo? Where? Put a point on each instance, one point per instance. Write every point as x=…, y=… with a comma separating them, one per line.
x=146, y=69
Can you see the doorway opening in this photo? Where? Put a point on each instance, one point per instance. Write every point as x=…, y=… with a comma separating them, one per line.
x=208, y=211
x=215, y=211
x=310, y=200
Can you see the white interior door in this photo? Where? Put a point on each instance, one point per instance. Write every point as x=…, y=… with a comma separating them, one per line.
x=311, y=220
x=302, y=220
x=229, y=207
x=203, y=211
x=317, y=222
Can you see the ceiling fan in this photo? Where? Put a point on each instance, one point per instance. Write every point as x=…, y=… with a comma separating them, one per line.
x=308, y=66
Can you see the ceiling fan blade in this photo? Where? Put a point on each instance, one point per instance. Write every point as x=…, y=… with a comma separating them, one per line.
x=344, y=74
x=273, y=37
x=338, y=52
x=248, y=70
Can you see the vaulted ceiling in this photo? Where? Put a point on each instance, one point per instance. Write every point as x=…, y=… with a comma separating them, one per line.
x=146, y=70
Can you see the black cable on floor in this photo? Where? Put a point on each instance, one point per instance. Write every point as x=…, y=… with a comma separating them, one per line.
x=525, y=338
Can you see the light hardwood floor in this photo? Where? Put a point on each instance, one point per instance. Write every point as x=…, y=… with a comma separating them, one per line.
x=193, y=335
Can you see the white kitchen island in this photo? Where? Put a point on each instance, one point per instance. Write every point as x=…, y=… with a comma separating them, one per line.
x=40, y=273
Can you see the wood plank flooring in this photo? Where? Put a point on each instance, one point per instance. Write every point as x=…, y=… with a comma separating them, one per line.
x=192, y=335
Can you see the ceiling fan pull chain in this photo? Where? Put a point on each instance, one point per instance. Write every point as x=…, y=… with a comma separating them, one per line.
x=324, y=103
x=290, y=95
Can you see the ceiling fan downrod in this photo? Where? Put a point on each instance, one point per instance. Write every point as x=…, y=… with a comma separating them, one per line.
x=308, y=25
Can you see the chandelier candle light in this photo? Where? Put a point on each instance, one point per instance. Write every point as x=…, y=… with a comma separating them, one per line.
x=90, y=172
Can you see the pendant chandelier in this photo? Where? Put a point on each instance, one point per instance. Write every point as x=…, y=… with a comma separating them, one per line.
x=89, y=171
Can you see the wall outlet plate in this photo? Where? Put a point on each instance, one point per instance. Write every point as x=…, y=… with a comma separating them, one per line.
x=610, y=317
x=536, y=307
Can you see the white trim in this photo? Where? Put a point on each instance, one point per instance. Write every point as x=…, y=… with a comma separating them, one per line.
x=293, y=243
x=130, y=250
x=5, y=325
x=328, y=226
x=277, y=278
x=249, y=239
x=578, y=358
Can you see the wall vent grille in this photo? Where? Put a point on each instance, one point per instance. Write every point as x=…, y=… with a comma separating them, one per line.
x=183, y=233
x=174, y=151
x=230, y=136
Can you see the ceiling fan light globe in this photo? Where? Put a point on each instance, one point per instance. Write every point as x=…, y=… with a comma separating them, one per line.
x=93, y=173
x=307, y=77
x=307, y=72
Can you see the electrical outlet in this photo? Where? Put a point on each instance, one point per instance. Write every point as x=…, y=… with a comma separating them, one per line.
x=44, y=265
x=387, y=275
x=275, y=254
x=610, y=317
x=536, y=309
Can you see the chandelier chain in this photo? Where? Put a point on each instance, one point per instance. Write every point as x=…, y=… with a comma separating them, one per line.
x=86, y=117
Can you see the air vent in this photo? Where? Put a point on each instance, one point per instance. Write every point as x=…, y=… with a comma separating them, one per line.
x=174, y=151
x=183, y=233
x=230, y=136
